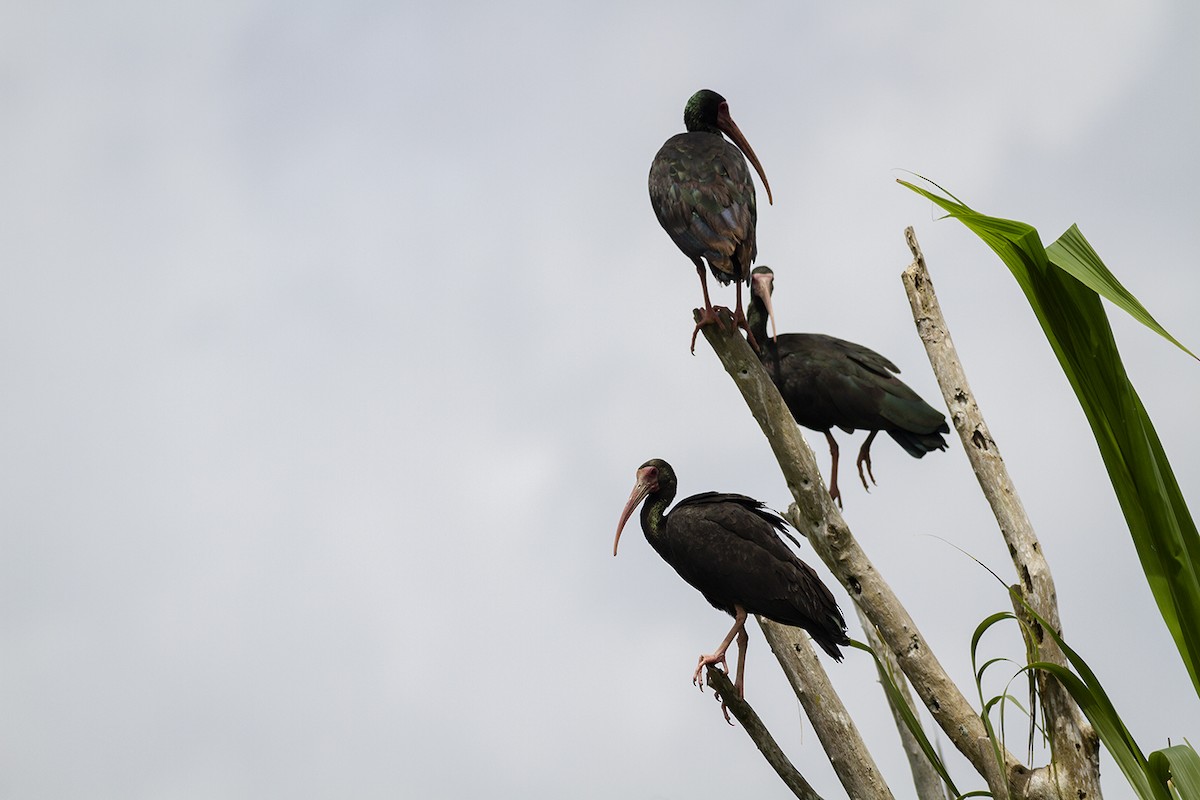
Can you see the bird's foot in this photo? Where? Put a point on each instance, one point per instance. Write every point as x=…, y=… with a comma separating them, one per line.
x=706, y=316
x=714, y=660
x=724, y=708
x=835, y=494
x=717, y=695
x=865, y=458
x=739, y=319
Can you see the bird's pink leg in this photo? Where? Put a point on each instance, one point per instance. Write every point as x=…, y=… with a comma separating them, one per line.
x=864, y=457
x=707, y=315
x=739, y=624
x=743, y=638
x=833, y=487
x=739, y=319
x=743, y=641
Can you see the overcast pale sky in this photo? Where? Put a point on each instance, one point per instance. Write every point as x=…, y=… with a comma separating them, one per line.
x=333, y=334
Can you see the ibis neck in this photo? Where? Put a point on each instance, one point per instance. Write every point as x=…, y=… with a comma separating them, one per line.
x=756, y=318
x=654, y=516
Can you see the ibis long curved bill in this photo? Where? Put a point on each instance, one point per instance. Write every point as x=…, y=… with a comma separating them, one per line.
x=730, y=129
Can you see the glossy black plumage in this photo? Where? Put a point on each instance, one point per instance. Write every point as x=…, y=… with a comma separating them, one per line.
x=729, y=547
x=703, y=196
x=829, y=382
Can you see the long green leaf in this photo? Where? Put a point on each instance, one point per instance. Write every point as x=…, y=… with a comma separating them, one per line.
x=1085, y=688
x=1073, y=319
x=1074, y=254
x=1111, y=731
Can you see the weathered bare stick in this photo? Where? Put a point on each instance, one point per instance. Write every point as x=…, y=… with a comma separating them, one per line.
x=815, y=515
x=1075, y=746
x=839, y=737
x=758, y=732
x=926, y=780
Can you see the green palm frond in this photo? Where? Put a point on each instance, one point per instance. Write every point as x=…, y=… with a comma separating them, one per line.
x=1075, y=255
x=1061, y=284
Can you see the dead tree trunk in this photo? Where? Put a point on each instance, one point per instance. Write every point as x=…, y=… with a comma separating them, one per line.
x=1075, y=773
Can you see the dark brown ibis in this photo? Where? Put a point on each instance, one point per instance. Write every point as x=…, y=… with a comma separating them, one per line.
x=829, y=382
x=703, y=196
x=728, y=546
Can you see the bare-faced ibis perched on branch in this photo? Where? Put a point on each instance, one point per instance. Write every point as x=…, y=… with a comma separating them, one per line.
x=829, y=382
x=703, y=196
x=728, y=546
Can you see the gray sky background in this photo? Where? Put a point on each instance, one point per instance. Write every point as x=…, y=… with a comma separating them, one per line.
x=332, y=336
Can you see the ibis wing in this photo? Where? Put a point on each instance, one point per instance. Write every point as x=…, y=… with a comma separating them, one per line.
x=729, y=548
x=830, y=382
x=703, y=196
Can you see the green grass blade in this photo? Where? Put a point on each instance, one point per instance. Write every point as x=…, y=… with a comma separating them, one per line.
x=1076, y=326
x=982, y=628
x=1181, y=765
x=985, y=705
x=896, y=698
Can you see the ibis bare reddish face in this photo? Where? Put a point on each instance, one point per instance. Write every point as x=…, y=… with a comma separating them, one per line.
x=647, y=482
x=761, y=284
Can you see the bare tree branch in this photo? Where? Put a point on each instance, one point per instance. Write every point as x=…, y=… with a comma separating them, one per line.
x=844, y=747
x=815, y=515
x=758, y=732
x=1074, y=743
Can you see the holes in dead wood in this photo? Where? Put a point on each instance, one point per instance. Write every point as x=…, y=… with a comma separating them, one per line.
x=853, y=584
x=914, y=644
x=979, y=440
